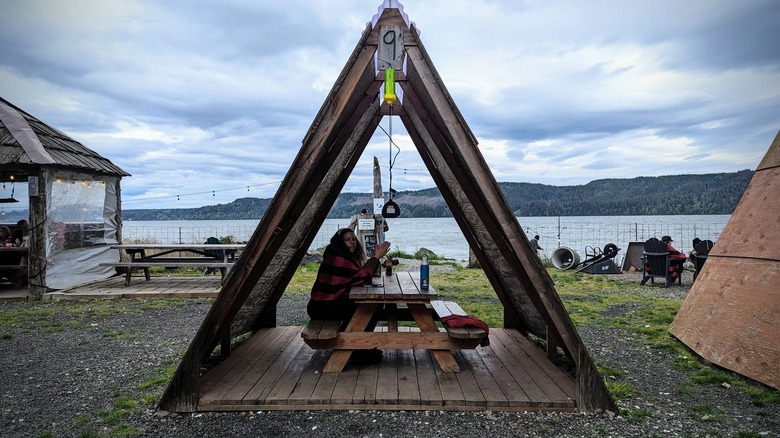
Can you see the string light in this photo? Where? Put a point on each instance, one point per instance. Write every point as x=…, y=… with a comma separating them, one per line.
x=248, y=187
x=178, y=197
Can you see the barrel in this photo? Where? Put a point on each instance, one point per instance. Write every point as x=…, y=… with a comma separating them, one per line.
x=565, y=258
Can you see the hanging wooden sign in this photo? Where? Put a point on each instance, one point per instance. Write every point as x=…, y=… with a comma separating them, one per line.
x=390, y=49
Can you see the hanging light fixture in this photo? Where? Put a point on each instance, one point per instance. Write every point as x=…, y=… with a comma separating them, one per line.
x=11, y=199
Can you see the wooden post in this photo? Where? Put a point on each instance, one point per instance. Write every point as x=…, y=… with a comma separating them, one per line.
x=37, y=259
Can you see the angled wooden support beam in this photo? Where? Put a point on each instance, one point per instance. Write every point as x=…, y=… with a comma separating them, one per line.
x=319, y=151
x=453, y=147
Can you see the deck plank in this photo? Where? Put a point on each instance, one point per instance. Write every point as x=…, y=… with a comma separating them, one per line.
x=285, y=385
x=307, y=384
x=251, y=365
x=564, y=381
x=541, y=380
x=488, y=386
x=276, y=370
x=387, y=381
x=366, y=385
x=344, y=389
x=506, y=382
x=515, y=362
x=472, y=394
x=268, y=374
x=408, y=387
x=430, y=392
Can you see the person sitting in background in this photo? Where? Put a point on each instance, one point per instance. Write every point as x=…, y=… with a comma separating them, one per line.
x=21, y=231
x=344, y=265
x=5, y=235
x=218, y=254
x=692, y=254
x=676, y=260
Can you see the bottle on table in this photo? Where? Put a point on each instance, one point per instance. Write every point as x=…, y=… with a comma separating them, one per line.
x=424, y=273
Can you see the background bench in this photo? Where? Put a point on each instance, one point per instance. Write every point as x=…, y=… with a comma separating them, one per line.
x=168, y=264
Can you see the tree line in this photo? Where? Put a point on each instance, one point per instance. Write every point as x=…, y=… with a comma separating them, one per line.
x=716, y=193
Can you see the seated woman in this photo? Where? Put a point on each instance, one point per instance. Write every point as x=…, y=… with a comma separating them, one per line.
x=676, y=261
x=344, y=265
x=5, y=235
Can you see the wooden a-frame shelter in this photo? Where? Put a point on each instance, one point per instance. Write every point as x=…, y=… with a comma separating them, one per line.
x=330, y=150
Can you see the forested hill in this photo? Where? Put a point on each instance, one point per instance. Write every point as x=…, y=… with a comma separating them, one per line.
x=716, y=193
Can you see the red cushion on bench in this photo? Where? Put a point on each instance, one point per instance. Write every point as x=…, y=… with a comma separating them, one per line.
x=467, y=321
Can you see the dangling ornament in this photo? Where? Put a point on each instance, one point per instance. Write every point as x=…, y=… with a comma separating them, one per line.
x=390, y=96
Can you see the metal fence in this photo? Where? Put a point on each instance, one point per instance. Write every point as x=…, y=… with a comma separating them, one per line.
x=583, y=235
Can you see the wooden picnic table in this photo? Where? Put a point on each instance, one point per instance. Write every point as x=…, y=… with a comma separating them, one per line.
x=196, y=255
x=13, y=263
x=400, y=289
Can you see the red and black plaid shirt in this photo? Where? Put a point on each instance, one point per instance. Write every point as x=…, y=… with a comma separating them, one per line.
x=338, y=272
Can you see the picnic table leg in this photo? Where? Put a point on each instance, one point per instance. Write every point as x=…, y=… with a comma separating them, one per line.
x=358, y=323
x=127, y=275
x=426, y=323
x=391, y=310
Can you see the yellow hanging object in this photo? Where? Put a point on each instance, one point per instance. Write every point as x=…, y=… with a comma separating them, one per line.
x=390, y=96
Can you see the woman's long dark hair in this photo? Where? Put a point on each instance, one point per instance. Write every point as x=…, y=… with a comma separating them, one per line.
x=338, y=241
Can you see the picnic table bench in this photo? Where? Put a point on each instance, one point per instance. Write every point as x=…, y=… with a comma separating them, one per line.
x=13, y=265
x=220, y=256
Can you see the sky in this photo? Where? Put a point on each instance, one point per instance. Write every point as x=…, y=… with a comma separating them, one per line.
x=204, y=102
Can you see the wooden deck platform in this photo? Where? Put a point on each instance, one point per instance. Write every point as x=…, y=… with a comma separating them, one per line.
x=159, y=286
x=275, y=370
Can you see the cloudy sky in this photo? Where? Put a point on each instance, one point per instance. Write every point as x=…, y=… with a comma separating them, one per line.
x=204, y=102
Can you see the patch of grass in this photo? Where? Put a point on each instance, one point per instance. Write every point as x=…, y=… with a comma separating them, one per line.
x=708, y=375
x=150, y=399
x=472, y=291
x=686, y=362
x=81, y=420
x=636, y=415
x=125, y=402
x=708, y=413
x=115, y=335
x=160, y=378
x=122, y=430
x=6, y=336
x=398, y=254
x=760, y=395
x=301, y=282
x=620, y=389
x=685, y=388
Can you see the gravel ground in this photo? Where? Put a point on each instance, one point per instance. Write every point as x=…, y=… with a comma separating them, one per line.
x=63, y=370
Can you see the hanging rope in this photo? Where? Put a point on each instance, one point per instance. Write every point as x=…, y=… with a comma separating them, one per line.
x=391, y=144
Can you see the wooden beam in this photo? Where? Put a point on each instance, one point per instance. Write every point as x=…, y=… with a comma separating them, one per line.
x=483, y=199
x=301, y=182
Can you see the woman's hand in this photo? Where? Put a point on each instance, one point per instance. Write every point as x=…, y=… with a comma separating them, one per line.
x=381, y=250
